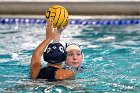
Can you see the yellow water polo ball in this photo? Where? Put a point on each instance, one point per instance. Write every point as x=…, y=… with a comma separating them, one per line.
x=59, y=15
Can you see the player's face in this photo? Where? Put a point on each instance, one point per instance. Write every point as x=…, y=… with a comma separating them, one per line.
x=74, y=58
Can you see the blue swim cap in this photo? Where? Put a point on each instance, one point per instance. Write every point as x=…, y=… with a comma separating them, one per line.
x=55, y=53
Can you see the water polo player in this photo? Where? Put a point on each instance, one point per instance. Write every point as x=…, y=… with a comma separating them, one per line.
x=53, y=70
x=74, y=57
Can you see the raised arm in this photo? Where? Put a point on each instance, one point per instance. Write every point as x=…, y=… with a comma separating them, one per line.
x=58, y=34
x=35, y=65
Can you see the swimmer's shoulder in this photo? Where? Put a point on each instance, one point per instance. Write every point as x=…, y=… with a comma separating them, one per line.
x=62, y=74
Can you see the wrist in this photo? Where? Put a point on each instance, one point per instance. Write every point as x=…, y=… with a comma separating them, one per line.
x=49, y=38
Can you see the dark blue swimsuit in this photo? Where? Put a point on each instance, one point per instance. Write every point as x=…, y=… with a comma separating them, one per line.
x=47, y=73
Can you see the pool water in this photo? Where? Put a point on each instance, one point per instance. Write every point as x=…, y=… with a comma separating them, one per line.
x=111, y=59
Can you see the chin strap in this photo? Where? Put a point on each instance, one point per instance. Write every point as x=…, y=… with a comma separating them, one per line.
x=77, y=69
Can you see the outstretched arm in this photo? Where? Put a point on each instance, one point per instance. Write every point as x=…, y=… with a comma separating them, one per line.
x=35, y=65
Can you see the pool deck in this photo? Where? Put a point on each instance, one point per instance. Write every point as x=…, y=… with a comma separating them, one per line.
x=75, y=7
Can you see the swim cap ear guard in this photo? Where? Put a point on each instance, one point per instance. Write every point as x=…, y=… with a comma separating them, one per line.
x=55, y=53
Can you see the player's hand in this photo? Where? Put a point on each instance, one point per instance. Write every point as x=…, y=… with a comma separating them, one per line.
x=50, y=31
x=62, y=28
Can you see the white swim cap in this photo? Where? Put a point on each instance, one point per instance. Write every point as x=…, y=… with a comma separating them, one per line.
x=73, y=46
